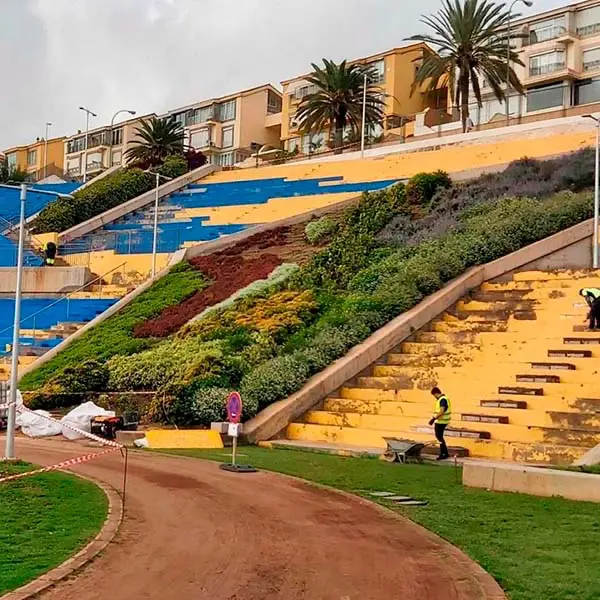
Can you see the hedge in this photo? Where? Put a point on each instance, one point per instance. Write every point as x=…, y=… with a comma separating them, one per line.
x=114, y=336
x=98, y=197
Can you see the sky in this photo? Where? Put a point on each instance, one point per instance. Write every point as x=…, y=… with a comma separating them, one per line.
x=157, y=55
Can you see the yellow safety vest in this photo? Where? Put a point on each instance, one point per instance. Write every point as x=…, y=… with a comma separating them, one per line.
x=445, y=418
x=594, y=292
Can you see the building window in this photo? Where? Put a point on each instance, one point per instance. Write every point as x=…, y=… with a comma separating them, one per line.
x=204, y=114
x=293, y=144
x=117, y=137
x=31, y=158
x=76, y=145
x=116, y=158
x=547, y=30
x=227, y=110
x=303, y=91
x=547, y=63
x=274, y=103
x=11, y=161
x=200, y=139
x=546, y=96
x=312, y=143
x=591, y=59
x=587, y=91
x=587, y=21
x=227, y=141
x=378, y=70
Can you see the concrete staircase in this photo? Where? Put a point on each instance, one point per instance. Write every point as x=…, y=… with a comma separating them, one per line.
x=516, y=360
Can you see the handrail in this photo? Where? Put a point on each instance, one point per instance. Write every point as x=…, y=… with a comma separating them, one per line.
x=66, y=296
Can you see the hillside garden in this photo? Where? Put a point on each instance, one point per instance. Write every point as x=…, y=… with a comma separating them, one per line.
x=299, y=307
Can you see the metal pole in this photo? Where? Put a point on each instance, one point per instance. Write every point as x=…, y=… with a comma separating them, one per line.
x=507, y=98
x=46, y=149
x=14, y=373
x=596, y=195
x=364, y=117
x=233, y=452
x=155, y=233
x=85, y=151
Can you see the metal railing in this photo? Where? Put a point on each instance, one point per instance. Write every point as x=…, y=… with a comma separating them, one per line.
x=66, y=297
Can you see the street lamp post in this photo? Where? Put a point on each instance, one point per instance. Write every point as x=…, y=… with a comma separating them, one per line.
x=48, y=125
x=596, y=191
x=112, y=124
x=88, y=113
x=364, y=116
x=12, y=398
x=155, y=228
x=529, y=4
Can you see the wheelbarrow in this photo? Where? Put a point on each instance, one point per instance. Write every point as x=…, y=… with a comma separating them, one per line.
x=403, y=451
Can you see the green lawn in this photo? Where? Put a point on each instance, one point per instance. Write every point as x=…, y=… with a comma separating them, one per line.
x=536, y=548
x=43, y=520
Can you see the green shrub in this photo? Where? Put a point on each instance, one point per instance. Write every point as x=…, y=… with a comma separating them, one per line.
x=320, y=230
x=174, y=166
x=89, y=376
x=422, y=187
x=114, y=336
x=354, y=247
x=108, y=192
x=274, y=380
x=169, y=365
x=331, y=343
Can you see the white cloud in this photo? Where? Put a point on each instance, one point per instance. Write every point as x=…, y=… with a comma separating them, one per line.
x=154, y=55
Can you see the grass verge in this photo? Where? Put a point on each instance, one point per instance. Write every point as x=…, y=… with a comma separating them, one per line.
x=536, y=548
x=44, y=519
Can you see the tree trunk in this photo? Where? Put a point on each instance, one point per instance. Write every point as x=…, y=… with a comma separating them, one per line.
x=464, y=100
x=340, y=123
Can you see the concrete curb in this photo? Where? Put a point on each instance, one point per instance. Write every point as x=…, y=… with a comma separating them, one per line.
x=74, y=564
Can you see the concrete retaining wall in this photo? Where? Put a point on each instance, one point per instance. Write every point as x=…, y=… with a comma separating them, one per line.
x=276, y=417
x=44, y=280
x=135, y=204
x=532, y=480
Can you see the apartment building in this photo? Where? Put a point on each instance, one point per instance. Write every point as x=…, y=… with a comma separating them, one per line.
x=561, y=53
x=106, y=147
x=231, y=128
x=395, y=73
x=40, y=159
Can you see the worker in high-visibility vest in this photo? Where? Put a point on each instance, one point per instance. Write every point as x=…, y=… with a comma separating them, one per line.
x=441, y=419
x=49, y=254
x=592, y=297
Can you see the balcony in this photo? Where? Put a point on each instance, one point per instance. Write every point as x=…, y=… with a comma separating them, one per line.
x=562, y=34
x=548, y=69
x=592, y=65
x=273, y=120
x=588, y=30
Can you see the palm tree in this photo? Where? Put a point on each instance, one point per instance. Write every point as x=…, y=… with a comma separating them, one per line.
x=157, y=139
x=470, y=45
x=338, y=100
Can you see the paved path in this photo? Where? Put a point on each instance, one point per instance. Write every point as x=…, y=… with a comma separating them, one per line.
x=195, y=532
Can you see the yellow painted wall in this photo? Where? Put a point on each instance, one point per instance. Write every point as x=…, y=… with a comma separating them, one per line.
x=55, y=154
x=124, y=268
x=251, y=121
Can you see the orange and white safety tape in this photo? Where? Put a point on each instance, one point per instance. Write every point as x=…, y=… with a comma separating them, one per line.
x=62, y=465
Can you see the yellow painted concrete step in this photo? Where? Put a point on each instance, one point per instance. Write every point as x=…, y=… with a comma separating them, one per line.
x=536, y=417
x=513, y=372
x=492, y=449
x=503, y=432
x=555, y=275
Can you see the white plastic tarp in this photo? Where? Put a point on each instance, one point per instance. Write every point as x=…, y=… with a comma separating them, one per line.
x=81, y=418
x=34, y=425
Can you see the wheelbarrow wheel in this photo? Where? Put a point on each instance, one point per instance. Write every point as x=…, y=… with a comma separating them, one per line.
x=390, y=456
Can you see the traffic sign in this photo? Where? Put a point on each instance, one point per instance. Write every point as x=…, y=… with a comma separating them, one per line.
x=234, y=407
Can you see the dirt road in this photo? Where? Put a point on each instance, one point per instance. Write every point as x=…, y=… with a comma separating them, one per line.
x=195, y=532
